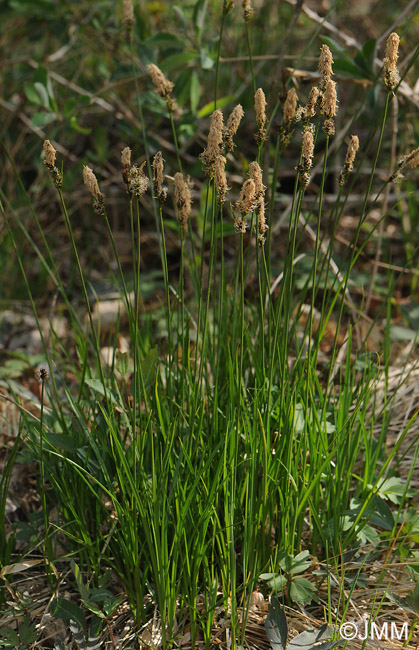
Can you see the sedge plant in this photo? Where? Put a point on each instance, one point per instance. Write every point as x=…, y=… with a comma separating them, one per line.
x=232, y=441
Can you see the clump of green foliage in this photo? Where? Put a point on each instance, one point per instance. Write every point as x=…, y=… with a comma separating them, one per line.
x=222, y=444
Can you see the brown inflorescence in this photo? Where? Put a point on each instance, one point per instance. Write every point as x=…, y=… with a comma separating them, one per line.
x=126, y=157
x=128, y=16
x=49, y=162
x=247, y=10
x=329, y=104
x=232, y=125
x=158, y=177
x=92, y=185
x=42, y=375
x=163, y=86
x=138, y=181
x=307, y=151
x=410, y=160
x=245, y=204
x=262, y=225
x=260, y=111
x=228, y=5
x=183, y=199
x=391, y=73
x=325, y=65
x=290, y=105
x=255, y=174
x=310, y=109
x=329, y=107
x=220, y=178
x=126, y=164
x=329, y=127
x=328, y=97
x=348, y=166
x=214, y=143
x=49, y=154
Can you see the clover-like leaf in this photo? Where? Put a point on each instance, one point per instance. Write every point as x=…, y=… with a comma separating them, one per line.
x=276, y=625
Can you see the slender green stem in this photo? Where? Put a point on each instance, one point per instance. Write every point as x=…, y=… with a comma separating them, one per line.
x=353, y=256
x=84, y=289
x=217, y=62
x=145, y=140
x=170, y=356
x=312, y=361
x=175, y=139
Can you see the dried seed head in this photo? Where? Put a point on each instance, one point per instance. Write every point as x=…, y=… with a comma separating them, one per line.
x=329, y=104
x=183, y=199
x=158, y=177
x=214, y=143
x=247, y=10
x=49, y=154
x=348, y=166
x=255, y=173
x=92, y=185
x=49, y=161
x=232, y=126
x=138, y=181
x=325, y=64
x=391, y=73
x=163, y=86
x=290, y=105
x=310, y=109
x=307, y=148
x=246, y=202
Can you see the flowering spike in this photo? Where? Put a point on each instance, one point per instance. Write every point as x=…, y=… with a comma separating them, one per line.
x=353, y=147
x=391, y=73
x=214, y=143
